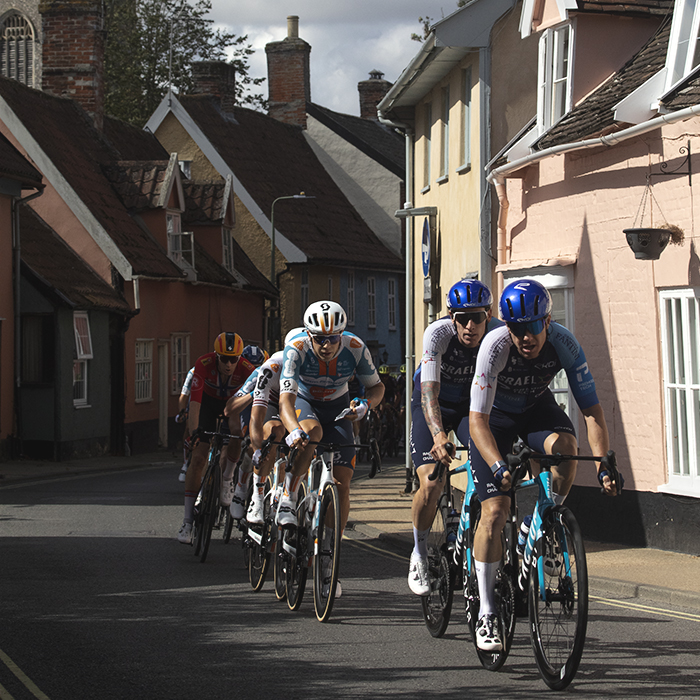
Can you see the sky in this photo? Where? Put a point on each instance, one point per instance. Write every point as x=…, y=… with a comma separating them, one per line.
x=348, y=39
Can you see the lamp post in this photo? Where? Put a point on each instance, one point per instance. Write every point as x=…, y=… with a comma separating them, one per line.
x=301, y=195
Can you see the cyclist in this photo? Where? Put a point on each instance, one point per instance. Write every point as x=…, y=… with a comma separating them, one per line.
x=511, y=397
x=314, y=389
x=217, y=376
x=440, y=403
x=183, y=404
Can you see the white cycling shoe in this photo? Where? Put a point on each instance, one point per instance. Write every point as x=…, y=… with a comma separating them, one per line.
x=418, y=575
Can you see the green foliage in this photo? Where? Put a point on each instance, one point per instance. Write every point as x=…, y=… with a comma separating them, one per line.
x=138, y=59
x=426, y=21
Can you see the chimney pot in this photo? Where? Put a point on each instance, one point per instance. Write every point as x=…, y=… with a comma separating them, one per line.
x=293, y=27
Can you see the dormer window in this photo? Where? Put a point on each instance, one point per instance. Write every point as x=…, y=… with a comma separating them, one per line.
x=683, y=50
x=227, y=246
x=180, y=244
x=554, y=75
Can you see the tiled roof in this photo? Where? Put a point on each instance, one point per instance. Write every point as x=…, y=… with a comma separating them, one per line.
x=204, y=202
x=14, y=166
x=67, y=136
x=138, y=183
x=375, y=140
x=631, y=7
x=131, y=142
x=272, y=159
x=595, y=114
x=53, y=262
x=685, y=94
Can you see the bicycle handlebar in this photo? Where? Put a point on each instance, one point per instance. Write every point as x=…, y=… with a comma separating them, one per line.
x=441, y=466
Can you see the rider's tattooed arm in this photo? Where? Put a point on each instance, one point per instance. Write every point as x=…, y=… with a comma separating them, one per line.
x=429, y=392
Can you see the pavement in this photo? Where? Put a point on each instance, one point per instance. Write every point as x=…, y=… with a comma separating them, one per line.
x=381, y=510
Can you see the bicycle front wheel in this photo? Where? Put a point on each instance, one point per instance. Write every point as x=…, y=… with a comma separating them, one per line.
x=296, y=554
x=279, y=569
x=558, y=599
x=327, y=554
x=209, y=509
x=437, y=605
x=259, y=555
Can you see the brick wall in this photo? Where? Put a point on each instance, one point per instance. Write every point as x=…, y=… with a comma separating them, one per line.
x=216, y=78
x=371, y=93
x=73, y=52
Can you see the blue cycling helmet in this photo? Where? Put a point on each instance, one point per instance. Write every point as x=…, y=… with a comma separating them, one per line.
x=525, y=300
x=254, y=355
x=468, y=294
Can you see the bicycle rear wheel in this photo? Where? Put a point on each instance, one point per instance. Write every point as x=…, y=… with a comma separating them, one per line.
x=259, y=555
x=280, y=568
x=296, y=554
x=209, y=509
x=558, y=599
x=504, y=595
x=437, y=605
x=327, y=554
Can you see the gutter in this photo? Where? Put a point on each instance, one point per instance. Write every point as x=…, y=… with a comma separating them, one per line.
x=498, y=176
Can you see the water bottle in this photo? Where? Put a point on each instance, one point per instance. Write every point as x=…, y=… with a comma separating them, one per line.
x=522, y=535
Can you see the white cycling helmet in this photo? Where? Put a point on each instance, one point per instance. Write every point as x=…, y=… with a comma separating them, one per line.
x=325, y=318
x=293, y=333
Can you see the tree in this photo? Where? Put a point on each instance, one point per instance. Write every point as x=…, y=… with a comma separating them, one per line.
x=426, y=21
x=152, y=43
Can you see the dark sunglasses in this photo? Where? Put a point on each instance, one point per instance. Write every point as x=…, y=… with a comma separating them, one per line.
x=228, y=359
x=323, y=339
x=463, y=317
x=520, y=329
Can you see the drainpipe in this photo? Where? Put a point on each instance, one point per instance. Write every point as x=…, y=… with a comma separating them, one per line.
x=497, y=177
x=17, y=325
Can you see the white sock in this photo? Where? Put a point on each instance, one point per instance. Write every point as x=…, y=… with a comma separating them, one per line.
x=420, y=542
x=486, y=578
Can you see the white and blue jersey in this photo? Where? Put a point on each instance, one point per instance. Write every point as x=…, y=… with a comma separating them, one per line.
x=507, y=381
x=446, y=361
x=304, y=374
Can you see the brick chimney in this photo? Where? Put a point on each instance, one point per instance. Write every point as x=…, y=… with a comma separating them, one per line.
x=371, y=93
x=288, y=76
x=73, y=52
x=216, y=78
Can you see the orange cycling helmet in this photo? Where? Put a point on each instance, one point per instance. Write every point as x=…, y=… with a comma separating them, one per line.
x=228, y=344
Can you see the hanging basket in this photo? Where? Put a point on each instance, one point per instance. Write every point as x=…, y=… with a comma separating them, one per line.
x=647, y=243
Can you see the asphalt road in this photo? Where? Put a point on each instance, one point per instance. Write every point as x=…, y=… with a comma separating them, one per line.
x=99, y=600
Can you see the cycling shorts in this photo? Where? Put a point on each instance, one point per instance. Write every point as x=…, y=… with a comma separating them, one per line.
x=341, y=432
x=209, y=411
x=454, y=417
x=534, y=426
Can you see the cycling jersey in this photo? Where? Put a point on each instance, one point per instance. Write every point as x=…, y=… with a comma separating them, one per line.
x=208, y=382
x=507, y=381
x=311, y=378
x=187, y=385
x=267, y=386
x=447, y=361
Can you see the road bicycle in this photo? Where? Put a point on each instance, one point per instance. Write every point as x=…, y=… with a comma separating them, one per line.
x=316, y=538
x=207, y=505
x=549, y=585
x=263, y=541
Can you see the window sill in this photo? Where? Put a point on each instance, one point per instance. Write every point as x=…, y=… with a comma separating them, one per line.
x=679, y=490
x=443, y=179
x=143, y=400
x=78, y=406
x=464, y=169
x=425, y=190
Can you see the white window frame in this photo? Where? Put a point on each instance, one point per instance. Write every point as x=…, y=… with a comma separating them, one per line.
x=350, y=305
x=558, y=280
x=445, y=134
x=83, y=353
x=143, y=372
x=227, y=249
x=371, y=302
x=391, y=302
x=180, y=243
x=683, y=41
x=304, y=291
x=180, y=360
x=550, y=52
x=427, y=146
x=679, y=311
x=466, y=120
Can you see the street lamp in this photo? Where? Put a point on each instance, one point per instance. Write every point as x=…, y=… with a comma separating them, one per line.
x=301, y=195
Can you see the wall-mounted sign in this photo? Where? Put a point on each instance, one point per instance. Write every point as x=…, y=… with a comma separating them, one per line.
x=425, y=247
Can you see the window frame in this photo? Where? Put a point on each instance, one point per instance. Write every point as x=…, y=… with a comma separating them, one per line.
x=548, y=52
x=684, y=30
x=144, y=361
x=83, y=353
x=391, y=302
x=466, y=122
x=16, y=48
x=179, y=361
x=371, y=302
x=350, y=305
x=227, y=256
x=681, y=413
x=444, y=134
